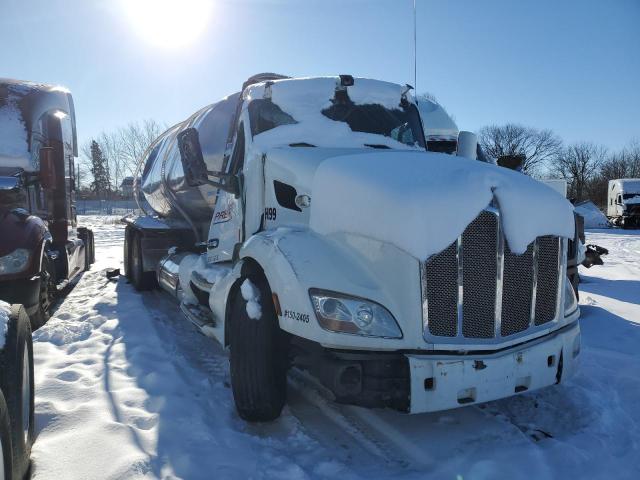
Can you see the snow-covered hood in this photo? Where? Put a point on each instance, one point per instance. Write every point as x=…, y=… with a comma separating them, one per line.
x=422, y=201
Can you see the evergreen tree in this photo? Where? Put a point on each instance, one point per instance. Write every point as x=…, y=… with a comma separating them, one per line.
x=100, y=170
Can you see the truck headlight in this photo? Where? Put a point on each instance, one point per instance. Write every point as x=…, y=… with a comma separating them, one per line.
x=570, y=301
x=15, y=262
x=344, y=314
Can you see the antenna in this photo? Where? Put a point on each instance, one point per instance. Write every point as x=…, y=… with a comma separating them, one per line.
x=415, y=50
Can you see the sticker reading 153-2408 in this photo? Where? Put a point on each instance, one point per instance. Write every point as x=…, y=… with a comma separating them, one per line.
x=300, y=317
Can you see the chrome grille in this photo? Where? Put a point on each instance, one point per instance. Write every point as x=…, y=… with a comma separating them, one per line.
x=441, y=280
x=547, y=284
x=516, y=292
x=477, y=289
x=479, y=261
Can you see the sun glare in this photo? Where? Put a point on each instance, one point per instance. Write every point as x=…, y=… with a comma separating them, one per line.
x=169, y=23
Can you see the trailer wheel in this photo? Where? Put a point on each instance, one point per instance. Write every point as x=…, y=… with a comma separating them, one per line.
x=46, y=296
x=140, y=279
x=16, y=382
x=6, y=455
x=259, y=358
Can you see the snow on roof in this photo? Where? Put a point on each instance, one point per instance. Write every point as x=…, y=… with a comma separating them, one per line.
x=305, y=98
x=422, y=201
x=628, y=185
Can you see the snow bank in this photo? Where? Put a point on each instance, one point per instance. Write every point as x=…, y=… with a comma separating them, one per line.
x=304, y=99
x=14, y=150
x=5, y=310
x=593, y=217
x=187, y=265
x=252, y=296
x=421, y=202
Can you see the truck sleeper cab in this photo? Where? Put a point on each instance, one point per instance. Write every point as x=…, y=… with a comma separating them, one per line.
x=623, y=205
x=41, y=249
x=231, y=233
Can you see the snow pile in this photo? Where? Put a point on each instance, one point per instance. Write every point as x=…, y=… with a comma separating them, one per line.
x=421, y=202
x=212, y=273
x=187, y=264
x=252, y=296
x=13, y=135
x=593, y=217
x=5, y=310
x=126, y=388
x=305, y=98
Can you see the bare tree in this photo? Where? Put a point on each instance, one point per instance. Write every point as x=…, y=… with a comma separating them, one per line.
x=535, y=147
x=579, y=164
x=123, y=148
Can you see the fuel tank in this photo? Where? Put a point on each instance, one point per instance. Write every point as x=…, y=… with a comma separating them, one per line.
x=162, y=181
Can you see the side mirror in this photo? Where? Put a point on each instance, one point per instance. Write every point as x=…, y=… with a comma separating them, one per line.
x=514, y=162
x=195, y=170
x=48, y=177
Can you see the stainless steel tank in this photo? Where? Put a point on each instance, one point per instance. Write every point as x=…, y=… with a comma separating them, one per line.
x=162, y=181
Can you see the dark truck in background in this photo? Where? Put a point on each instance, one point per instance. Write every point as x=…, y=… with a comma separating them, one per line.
x=41, y=247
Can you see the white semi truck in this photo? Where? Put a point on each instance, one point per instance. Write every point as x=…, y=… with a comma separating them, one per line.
x=623, y=205
x=303, y=222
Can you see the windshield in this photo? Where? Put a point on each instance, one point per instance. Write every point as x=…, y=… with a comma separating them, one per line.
x=627, y=196
x=401, y=124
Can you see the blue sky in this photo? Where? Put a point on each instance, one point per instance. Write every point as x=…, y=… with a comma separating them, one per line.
x=572, y=66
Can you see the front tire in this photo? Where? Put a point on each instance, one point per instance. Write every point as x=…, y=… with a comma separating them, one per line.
x=6, y=455
x=259, y=358
x=16, y=382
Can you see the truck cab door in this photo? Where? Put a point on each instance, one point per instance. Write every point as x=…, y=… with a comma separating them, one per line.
x=227, y=224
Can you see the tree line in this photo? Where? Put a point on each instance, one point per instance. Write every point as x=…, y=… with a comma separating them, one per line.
x=112, y=156
x=586, y=166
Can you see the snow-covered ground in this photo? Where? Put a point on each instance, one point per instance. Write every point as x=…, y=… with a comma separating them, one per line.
x=126, y=388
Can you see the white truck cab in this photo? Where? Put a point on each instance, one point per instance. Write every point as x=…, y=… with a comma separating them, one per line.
x=301, y=223
x=623, y=202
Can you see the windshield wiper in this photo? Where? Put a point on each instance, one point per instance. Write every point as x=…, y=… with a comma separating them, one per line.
x=301, y=144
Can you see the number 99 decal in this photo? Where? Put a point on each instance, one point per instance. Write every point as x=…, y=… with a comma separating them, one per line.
x=270, y=213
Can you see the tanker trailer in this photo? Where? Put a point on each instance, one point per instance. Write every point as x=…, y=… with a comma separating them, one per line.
x=303, y=222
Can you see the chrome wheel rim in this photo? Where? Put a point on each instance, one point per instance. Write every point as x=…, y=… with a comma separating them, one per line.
x=26, y=395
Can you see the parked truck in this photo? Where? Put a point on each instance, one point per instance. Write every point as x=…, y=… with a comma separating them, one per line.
x=303, y=222
x=41, y=247
x=623, y=205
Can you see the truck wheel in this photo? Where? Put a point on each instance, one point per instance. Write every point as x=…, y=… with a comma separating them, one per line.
x=259, y=355
x=16, y=382
x=47, y=295
x=6, y=455
x=140, y=279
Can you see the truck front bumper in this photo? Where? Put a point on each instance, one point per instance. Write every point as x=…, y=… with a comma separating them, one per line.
x=24, y=291
x=450, y=381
